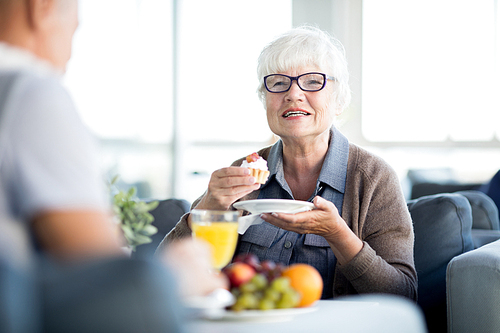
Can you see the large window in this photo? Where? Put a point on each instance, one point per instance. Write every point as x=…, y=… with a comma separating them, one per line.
x=430, y=70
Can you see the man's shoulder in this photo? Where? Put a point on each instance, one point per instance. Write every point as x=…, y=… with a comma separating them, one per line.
x=30, y=87
x=29, y=76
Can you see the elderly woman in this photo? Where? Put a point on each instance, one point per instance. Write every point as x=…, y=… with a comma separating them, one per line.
x=360, y=235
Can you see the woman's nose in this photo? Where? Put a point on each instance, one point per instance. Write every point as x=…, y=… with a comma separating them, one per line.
x=294, y=93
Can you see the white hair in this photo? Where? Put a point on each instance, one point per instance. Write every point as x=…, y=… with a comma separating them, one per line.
x=304, y=46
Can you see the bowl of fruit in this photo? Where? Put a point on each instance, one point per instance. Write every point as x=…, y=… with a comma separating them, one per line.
x=263, y=289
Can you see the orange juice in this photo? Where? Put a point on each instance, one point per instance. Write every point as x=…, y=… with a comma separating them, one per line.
x=222, y=236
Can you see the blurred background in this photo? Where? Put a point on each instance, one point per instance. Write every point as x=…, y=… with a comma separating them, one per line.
x=169, y=86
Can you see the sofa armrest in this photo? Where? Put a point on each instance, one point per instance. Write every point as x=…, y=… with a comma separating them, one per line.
x=473, y=290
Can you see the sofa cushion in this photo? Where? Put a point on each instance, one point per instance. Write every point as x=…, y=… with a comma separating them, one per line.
x=442, y=225
x=484, y=210
x=482, y=237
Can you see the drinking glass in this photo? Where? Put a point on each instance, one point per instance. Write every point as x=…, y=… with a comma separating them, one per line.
x=218, y=228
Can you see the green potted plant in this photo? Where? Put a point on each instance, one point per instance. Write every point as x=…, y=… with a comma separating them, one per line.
x=134, y=216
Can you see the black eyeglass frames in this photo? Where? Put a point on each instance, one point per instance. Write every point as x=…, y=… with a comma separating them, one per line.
x=277, y=83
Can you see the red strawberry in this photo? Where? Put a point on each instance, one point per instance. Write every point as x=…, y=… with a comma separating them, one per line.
x=252, y=157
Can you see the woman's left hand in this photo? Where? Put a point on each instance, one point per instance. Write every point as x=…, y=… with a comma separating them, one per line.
x=324, y=220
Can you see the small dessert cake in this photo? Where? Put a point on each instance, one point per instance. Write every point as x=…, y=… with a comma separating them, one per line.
x=257, y=166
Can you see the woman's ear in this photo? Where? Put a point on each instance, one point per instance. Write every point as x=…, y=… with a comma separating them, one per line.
x=38, y=11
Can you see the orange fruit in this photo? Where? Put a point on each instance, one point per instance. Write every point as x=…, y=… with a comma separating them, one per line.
x=307, y=281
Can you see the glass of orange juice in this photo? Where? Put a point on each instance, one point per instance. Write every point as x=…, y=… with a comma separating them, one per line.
x=220, y=229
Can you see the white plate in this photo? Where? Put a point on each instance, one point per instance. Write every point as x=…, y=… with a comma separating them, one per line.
x=268, y=315
x=274, y=205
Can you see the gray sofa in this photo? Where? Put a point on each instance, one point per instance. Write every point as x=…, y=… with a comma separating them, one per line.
x=447, y=225
x=473, y=290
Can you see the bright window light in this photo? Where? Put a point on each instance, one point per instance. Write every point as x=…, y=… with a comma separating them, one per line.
x=429, y=70
x=120, y=73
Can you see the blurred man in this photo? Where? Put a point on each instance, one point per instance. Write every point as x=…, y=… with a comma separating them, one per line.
x=52, y=199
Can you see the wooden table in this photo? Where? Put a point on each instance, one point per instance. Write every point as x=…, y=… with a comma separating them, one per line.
x=371, y=314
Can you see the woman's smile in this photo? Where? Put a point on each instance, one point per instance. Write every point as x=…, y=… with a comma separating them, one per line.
x=295, y=112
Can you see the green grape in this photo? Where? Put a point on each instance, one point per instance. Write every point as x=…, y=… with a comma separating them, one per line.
x=298, y=297
x=284, y=304
x=291, y=297
x=272, y=294
x=260, y=281
x=237, y=307
x=248, y=287
x=249, y=301
x=266, y=304
x=280, y=284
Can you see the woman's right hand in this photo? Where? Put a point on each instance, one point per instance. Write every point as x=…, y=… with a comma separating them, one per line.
x=226, y=186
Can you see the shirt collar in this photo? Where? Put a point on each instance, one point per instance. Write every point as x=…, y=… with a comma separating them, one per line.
x=335, y=160
x=15, y=58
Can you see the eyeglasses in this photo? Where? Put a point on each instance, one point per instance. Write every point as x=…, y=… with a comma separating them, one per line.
x=277, y=83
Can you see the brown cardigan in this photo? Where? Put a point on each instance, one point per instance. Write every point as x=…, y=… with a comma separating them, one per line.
x=375, y=209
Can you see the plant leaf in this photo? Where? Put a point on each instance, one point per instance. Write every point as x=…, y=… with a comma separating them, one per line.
x=149, y=230
x=141, y=239
x=132, y=191
x=152, y=205
x=129, y=234
x=114, y=180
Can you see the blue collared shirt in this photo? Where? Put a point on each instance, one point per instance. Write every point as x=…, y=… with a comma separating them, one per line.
x=270, y=242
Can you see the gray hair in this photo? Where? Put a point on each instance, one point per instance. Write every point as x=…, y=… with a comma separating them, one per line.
x=305, y=46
